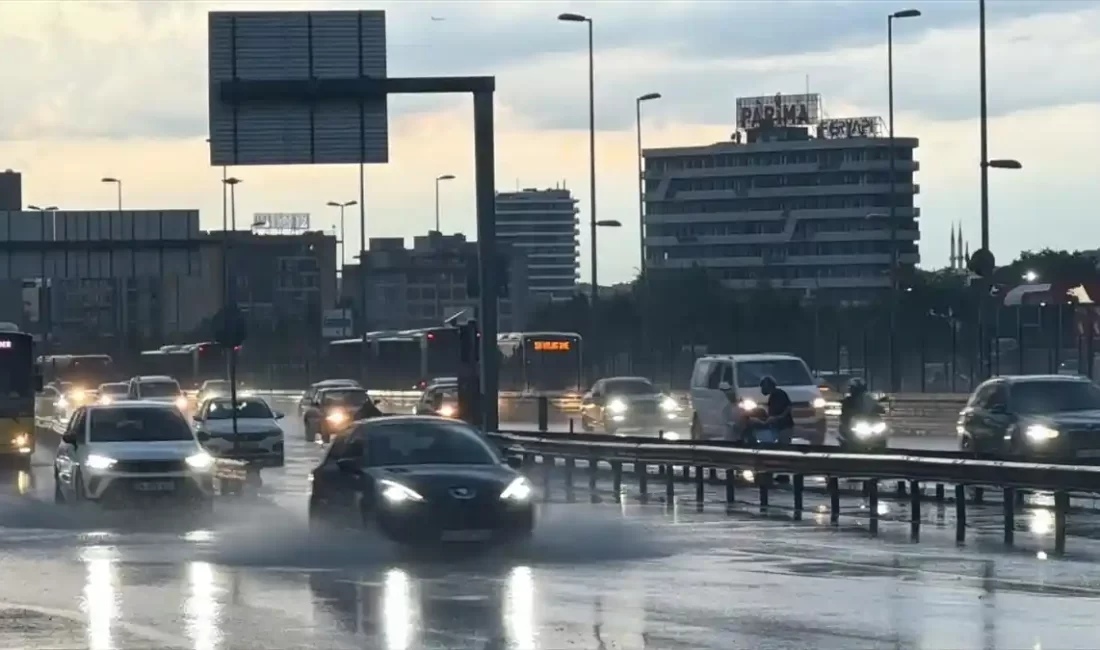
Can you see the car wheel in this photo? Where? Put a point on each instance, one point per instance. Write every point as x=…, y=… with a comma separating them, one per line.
x=586, y=424
x=967, y=445
x=609, y=427
x=307, y=431
x=696, y=428
x=78, y=487
x=317, y=520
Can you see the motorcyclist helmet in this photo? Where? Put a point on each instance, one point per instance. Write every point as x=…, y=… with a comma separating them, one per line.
x=857, y=386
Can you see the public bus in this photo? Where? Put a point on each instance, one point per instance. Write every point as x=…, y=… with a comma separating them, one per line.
x=190, y=364
x=398, y=359
x=543, y=363
x=84, y=371
x=19, y=381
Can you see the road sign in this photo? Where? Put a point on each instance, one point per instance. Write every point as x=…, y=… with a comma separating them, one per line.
x=337, y=324
x=297, y=46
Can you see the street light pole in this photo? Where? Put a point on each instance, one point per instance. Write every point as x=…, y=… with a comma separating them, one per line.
x=984, y=129
x=641, y=181
x=343, y=243
x=444, y=177
x=895, y=368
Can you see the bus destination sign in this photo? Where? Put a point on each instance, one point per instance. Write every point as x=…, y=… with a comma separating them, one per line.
x=552, y=346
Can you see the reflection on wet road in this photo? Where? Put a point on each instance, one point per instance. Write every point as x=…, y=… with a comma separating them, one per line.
x=596, y=576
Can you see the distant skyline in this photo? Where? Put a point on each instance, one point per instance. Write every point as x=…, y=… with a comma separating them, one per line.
x=119, y=89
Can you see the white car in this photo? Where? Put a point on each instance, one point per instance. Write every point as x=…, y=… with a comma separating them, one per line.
x=724, y=385
x=159, y=389
x=259, y=437
x=129, y=452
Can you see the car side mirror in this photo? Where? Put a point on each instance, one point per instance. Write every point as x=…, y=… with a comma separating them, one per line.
x=725, y=387
x=196, y=418
x=203, y=436
x=279, y=415
x=515, y=462
x=69, y=438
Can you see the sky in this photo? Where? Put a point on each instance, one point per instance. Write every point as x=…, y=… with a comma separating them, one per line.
x=94, y=89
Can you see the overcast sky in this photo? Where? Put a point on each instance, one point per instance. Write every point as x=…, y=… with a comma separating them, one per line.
x=120, y=89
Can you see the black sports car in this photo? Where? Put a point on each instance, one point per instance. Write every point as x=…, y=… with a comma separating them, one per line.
x=421, y=480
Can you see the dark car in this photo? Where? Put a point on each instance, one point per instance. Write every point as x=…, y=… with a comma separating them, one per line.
x=311, y=393
x=1038, y=416
x=332, y=412
x=618, y=403
x=421, y=480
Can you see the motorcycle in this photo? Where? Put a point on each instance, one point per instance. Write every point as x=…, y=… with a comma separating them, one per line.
x=865, y=434
x=750, y=433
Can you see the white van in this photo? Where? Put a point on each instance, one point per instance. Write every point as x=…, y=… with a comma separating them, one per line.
x=722, y=383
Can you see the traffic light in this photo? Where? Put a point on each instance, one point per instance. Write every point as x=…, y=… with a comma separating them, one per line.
x=981, y=263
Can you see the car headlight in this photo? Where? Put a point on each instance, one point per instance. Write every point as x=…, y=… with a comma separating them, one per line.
x=62, y=403
x=447, y=411
x=201, y=461
x=819, y=403
x=77, y=395
x=747, y=404
x=669, y=404
x=336, y=417
x=517, y=490
x=22, y=440
x=95, y=461
x=181, y=402
x=866, y=429
x=394, y=492
x=617, y=406
x=1041, y=433
x=670, y=435
x=105, y=399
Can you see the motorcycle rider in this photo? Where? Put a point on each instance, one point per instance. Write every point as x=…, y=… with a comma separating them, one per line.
x=856, y=403
x=777, y=411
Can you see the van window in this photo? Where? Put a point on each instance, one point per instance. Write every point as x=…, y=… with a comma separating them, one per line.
x=786, y=372
x=717, y=370
x=699, y=377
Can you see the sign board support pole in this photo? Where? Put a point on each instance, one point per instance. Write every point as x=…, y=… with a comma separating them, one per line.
x=484, y=170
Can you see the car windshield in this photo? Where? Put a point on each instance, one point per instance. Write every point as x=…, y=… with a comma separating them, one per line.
x=629, y=387
x=427, y=443
x=159, y=389
x=1037, y=397
x=351, y=398
x=222, y=409
x=137, y=425
x=113, y=389
x=786, y=372
x=219, y=385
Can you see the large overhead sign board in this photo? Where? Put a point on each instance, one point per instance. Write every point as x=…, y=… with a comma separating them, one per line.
x=778, y=110
x=289, y=47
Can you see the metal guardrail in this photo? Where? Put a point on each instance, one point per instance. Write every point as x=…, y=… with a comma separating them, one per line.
x=1010, y=476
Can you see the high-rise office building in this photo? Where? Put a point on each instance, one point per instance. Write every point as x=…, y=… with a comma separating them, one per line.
x=791, y=201
x=542, y=225
x=11, y=191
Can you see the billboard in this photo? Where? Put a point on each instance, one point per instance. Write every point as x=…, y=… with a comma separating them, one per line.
x=304, y=47
x=778, y=110
x=850, y=127
x=336, y=324
x=295, y=221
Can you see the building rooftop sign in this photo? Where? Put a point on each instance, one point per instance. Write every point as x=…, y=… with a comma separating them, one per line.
x=851, y=127
x=778, y=110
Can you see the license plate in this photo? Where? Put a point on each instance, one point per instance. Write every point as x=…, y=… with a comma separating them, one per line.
x=248, y=445
x=155, y=486
x=1089, y=453
x=465, y=535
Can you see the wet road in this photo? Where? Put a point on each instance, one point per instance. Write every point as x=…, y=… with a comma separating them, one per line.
x=597, y=576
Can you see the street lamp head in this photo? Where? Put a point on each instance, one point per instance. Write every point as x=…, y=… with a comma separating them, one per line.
x=609, y=223
x=445, y=177
x=232, y=181
x=1005, y=164
x=335, y=204
x=906, y=13
x=351, y=203
x=649, y=96
x=108, y=179
x=573, y=18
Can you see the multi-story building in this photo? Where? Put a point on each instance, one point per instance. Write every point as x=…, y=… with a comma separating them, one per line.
x=11, y=190
x=787, y=206
x=422, y=286
x=543, y=226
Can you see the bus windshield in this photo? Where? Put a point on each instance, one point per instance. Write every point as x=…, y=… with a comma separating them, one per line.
x=553, y=364
x=397, y=364
x=16, y=365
